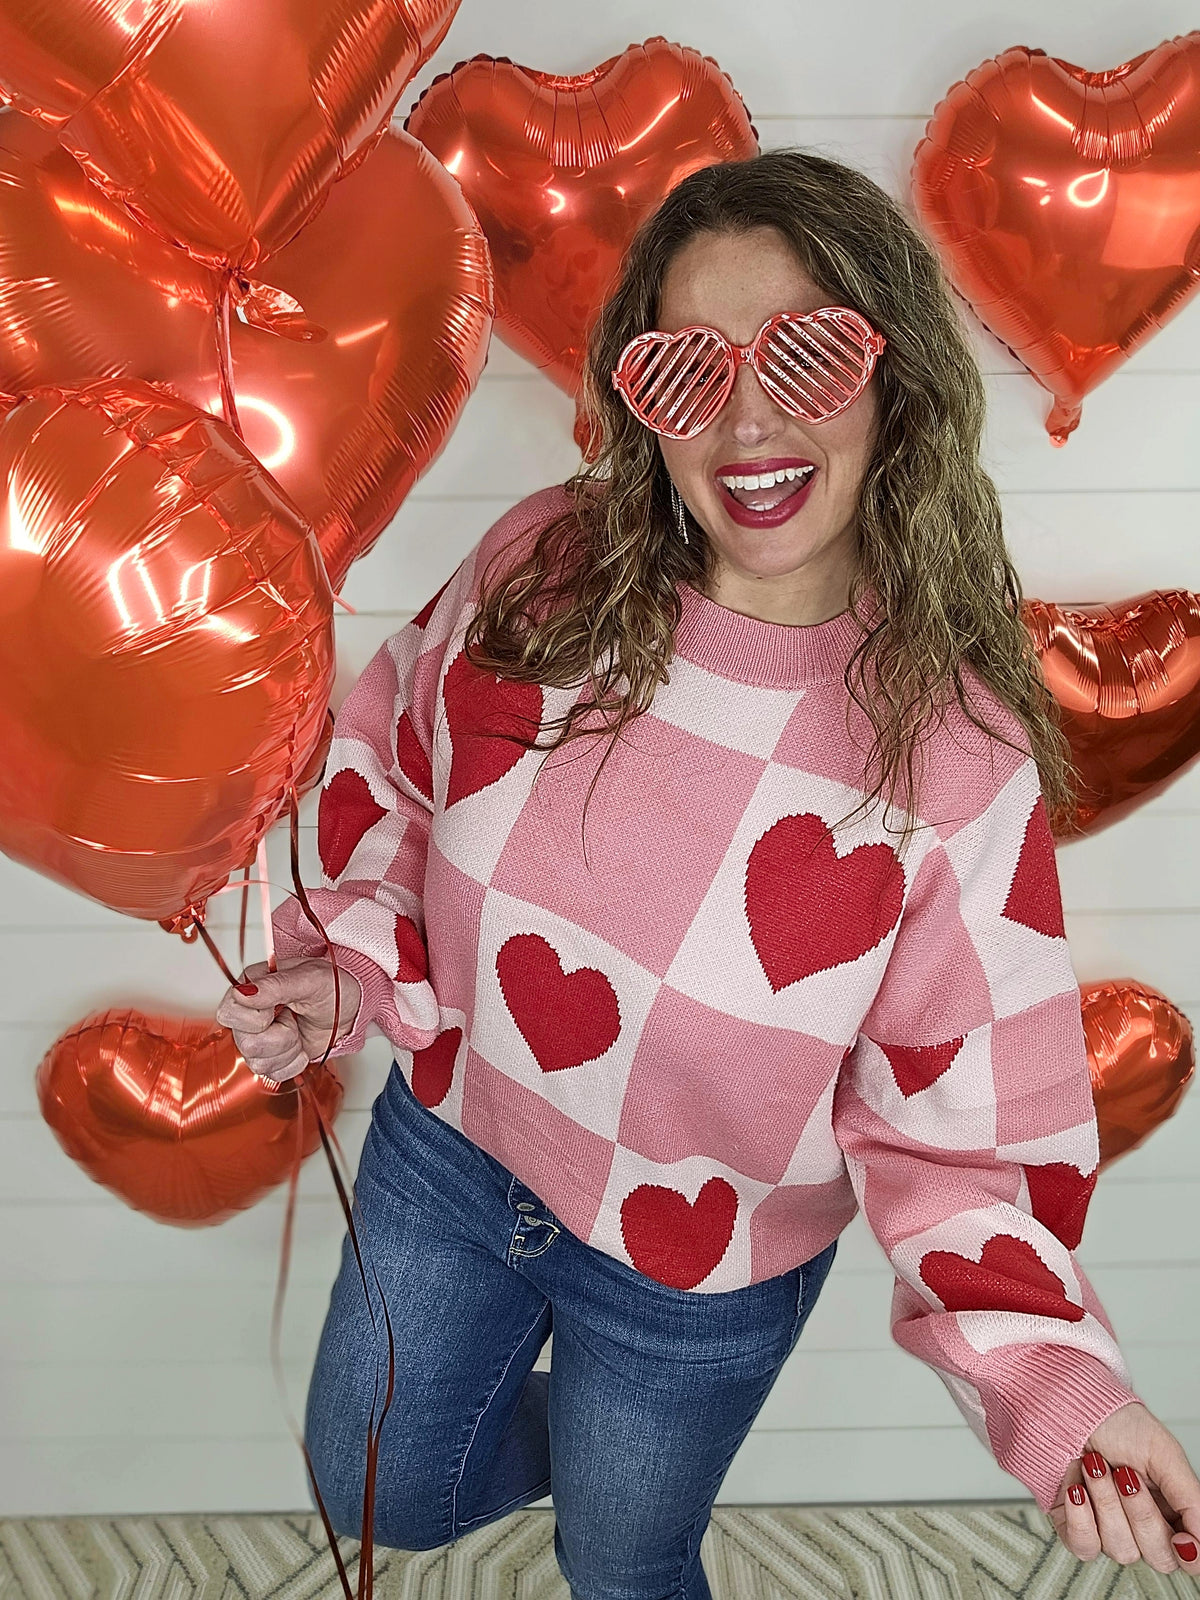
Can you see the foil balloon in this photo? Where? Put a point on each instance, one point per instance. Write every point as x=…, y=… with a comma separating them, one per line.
x=394, y=270
x=397, y=271
x=1126, y=679
x=1066, y=207
x=314, y=772
x=163, y=1111
x=1141, y=1057
x=220, y=125
x=561, y=170
x=166, y=646
x=85, y=292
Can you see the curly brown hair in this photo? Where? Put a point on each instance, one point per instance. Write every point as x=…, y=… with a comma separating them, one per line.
x=595, y=600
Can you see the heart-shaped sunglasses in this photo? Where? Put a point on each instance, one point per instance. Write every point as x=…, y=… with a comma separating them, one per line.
x=814, y=364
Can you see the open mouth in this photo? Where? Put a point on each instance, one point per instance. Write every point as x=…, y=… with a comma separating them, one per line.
x=769, y=495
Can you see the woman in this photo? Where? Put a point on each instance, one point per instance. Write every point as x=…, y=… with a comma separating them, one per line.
x=694, y=839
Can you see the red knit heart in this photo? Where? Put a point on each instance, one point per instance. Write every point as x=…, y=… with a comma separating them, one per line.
x=915, y=1067
x=433, y=1068
x=347, y=809
x=1033, y=896
x=1058, y=1196
x=412, y=960
x=1009, y=1276
x=566, y=1018
x=412, y=759
x=487, y=716
x=676, y=1242
x=810, y=909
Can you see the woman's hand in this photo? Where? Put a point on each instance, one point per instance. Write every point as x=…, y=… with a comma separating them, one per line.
x=282, y=1020
x=1133, y=1496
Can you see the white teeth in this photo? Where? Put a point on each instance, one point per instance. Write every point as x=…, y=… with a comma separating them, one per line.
x=767, y=480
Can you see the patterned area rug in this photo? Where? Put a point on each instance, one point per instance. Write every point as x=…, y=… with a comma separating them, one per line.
x=941, y=1552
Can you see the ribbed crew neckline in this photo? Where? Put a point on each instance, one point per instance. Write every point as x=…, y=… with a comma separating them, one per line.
x=771, y=655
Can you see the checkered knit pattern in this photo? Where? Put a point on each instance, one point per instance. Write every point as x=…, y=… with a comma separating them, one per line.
x=706, y=1025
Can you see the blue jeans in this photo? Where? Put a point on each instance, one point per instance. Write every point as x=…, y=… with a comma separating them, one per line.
x=652, y=1389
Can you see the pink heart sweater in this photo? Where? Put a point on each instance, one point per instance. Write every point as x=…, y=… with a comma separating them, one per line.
x=704, y=1028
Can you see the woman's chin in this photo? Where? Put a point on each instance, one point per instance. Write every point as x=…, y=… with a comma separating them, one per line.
x=805, y=568
x=761, y=559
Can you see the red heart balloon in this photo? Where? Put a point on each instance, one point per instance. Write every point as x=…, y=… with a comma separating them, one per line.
x=166, y=646
x=395, y=269
x=1066, y=206
x=1127, y=681
x=221, y=125
x=163, y=1111
x=561, y=170
x=1141, y=1055
x=314, y=772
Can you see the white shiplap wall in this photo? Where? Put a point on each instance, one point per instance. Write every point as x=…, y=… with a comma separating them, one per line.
x=134, y=1356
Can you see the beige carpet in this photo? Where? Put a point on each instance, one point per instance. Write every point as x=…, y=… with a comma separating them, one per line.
x=980, y=1552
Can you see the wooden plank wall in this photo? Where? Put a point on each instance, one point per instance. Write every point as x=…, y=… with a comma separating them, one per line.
x=134, y=1360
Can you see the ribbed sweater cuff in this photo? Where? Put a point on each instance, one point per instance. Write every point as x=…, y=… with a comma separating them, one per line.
x=295, y=937
x=376, y=988
x=1052, y=1398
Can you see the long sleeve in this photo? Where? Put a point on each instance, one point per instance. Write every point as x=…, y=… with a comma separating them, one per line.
x=373, y=830
x=378, y=802
x=965, y=1115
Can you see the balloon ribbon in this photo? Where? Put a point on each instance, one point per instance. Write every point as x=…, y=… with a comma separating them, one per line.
x=343, y=1186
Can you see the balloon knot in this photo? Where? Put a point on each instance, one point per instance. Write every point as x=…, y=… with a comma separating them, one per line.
x=1062, y=421
x=185, y=923
x=261, y=305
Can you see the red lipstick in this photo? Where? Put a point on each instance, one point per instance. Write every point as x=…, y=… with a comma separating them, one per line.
x=744, y=516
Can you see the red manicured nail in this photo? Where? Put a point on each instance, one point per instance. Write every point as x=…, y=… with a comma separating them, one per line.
x=1076, y=1494
x=246, y=988
x=1127, y=1480
x=1094, y=1464
x=1186, y=1550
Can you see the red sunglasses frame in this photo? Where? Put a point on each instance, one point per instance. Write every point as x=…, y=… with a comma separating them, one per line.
x=839, y=319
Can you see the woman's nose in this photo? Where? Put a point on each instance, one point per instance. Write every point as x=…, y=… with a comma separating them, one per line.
x=752, y=415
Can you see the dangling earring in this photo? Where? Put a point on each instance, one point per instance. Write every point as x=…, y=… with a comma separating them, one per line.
x=680, y=514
